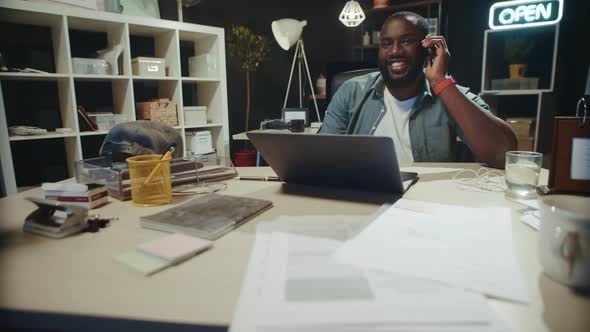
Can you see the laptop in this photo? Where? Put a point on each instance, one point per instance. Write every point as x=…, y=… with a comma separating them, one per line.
x=365, y=163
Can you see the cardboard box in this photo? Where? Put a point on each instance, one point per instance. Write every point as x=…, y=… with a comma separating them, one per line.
x=524, y=127
x=161, y=110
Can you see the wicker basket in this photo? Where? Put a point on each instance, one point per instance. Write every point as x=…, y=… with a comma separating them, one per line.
x=161, y=110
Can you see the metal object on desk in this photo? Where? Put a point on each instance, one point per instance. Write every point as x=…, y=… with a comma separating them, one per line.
x=43, y=221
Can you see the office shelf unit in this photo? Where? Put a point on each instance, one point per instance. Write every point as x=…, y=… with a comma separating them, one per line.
x=537, y=103
x=67, y=32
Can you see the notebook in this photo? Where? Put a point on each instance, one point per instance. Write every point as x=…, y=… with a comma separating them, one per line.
x=207, y=217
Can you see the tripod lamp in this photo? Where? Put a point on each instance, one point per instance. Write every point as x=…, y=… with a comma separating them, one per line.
x=287, y=32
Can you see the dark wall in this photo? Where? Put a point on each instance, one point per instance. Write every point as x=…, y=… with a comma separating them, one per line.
x=327, y=41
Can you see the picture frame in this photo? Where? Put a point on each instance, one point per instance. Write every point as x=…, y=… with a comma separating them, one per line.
x=292, y=113
x=570, y=169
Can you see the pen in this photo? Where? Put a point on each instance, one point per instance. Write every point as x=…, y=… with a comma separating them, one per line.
x=259, y=178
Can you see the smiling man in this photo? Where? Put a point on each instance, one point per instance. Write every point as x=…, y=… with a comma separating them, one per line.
x=414, y=101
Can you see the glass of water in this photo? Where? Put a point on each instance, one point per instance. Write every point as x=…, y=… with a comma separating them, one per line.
x=522, y=173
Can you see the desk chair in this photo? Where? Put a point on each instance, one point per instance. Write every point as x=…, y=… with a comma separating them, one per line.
x=344, y=76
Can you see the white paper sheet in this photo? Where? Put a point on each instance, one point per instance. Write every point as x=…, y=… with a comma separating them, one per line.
x=580, y=158
x=293, y=283
x=532, y=219
x=429, y=170
x=469, y=248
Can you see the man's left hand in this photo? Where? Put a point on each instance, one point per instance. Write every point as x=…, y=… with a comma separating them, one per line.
x=436, y=71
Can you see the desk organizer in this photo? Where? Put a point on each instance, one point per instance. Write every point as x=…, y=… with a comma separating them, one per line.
x=115, y=176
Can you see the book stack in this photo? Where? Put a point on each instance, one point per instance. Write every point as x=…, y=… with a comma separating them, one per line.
x=88, y=196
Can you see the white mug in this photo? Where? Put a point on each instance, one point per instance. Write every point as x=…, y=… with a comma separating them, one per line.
x=564, y=239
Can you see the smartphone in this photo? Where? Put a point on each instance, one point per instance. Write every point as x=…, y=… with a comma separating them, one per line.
x=430, y=54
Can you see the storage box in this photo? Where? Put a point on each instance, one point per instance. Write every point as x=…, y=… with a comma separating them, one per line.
x=525, y=143
x=106, y=121
x=200, y=143
x=524, y=127
x=525, y=83
x=89, y=66
x=204, y=65
x=195, y=115
x=144, y=66
x=161, y=110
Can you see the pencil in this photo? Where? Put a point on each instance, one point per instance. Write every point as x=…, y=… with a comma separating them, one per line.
x=259, y=178
x=167, y=155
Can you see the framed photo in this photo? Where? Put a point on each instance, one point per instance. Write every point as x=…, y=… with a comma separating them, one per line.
x=570, y=173
x=295, y=114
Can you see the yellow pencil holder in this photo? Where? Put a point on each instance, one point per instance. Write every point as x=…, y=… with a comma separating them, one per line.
x=150, y=180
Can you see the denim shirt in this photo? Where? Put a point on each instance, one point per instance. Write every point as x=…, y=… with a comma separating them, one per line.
x=358, y=107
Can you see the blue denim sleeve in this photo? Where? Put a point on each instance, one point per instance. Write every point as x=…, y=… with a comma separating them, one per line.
x=337, y=114
x=478, y=101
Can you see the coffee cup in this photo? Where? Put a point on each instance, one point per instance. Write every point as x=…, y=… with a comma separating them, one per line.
x=564, y=239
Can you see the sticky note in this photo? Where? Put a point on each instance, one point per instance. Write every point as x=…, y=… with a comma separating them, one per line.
x=175, y=247
x=142, y=262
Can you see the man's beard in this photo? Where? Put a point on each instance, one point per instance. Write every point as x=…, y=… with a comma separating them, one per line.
x=402, y=82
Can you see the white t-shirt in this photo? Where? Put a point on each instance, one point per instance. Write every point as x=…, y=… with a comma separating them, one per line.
x=396, y=124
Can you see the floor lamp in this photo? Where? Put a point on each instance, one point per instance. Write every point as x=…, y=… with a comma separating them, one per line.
x=287, y=32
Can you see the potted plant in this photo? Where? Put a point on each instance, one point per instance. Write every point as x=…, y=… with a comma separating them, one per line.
x=250, y=50
x=516, y=52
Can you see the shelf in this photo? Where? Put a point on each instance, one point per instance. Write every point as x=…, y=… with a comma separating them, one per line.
x=403, y=5
x=93, y=133
x=148, y=78
x=44, y=136
x=512, y=92
x=32, y=76
x=50, y=100
x=209, y=125
x=372, y=46
x=97, y=78
x=199, y=79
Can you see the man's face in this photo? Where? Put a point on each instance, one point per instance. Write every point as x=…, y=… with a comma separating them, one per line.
x=401, y=56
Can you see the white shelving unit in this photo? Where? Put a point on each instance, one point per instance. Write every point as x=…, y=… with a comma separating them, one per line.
x=166, y=37
x=542, y=116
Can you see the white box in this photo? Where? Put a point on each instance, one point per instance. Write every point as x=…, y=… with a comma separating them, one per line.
x=89, y=66
x=195, y=115
x=204, y=65
x=144, y=66
x=200, y=142
x=106, y=121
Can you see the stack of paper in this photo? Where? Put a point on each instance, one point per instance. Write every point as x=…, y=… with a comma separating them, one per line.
x=470, y=248
x=294, y=283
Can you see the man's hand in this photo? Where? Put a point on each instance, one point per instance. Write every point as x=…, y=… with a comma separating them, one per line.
x=437, y=71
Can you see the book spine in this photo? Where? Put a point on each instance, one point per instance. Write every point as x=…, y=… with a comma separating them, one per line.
x=77, y=198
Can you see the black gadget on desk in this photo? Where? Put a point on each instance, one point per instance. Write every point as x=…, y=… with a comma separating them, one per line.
x=358, y=162
x=294, y=126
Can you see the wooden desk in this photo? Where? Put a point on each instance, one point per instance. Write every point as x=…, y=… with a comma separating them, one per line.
x=77, y=277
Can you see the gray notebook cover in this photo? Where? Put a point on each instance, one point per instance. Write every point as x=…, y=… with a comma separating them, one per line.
x=207, y=217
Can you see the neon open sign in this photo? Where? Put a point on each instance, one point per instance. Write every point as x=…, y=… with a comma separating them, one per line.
x=525, y=13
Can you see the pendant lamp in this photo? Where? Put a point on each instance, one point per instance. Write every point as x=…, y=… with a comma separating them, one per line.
x=352, y=14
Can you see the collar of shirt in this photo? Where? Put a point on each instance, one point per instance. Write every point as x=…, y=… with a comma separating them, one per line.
x=424, y=93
